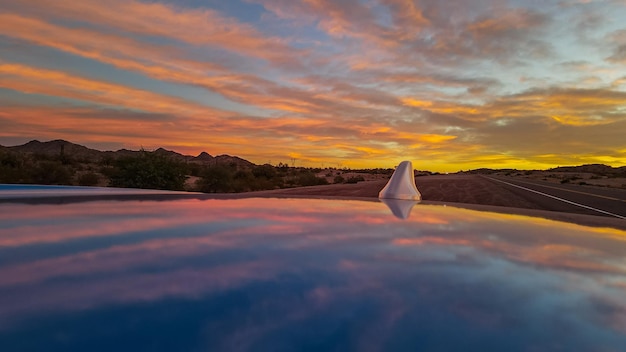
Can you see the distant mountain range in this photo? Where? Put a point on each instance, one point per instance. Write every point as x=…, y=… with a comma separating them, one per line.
x=59, y=146
x=599, y=169
x=56, y=147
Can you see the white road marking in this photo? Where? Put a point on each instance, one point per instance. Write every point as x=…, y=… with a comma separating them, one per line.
x=572, y=191
x=557, y=198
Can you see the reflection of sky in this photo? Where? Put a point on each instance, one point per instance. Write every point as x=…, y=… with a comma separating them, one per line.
x=267, y=274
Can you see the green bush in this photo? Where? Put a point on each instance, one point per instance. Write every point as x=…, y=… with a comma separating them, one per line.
x=148, y=170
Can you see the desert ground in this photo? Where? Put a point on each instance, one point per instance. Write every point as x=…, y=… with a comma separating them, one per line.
x=482, y=193
x=578, y=178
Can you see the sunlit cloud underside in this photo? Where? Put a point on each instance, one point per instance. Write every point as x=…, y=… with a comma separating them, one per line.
x=450, y=85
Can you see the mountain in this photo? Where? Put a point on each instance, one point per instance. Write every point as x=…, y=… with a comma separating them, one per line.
x=61, y=147
x=599, y=169
x=58, y=147
x=121, y=153
x=204, y=156
x=228, y=160
x=172, y=154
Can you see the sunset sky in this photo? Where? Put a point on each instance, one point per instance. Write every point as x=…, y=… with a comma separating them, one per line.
x=449, y=85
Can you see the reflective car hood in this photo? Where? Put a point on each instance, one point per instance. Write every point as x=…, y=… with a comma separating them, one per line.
x=303, y=274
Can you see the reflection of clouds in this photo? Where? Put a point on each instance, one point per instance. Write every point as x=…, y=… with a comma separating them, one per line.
x=128, y=287
x=116, y=259
x=578, y=250
x=320, y=266
x=69, y=222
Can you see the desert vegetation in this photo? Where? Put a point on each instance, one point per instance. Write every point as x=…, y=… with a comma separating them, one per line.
x=159, y=169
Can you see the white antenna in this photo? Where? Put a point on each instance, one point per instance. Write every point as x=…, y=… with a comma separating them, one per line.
x=401, y=185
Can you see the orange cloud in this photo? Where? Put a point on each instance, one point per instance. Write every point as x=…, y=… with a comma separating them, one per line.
x=416, y=103
x=57, y=83
x=436, y=138
x=153, y=61
x=194, y=26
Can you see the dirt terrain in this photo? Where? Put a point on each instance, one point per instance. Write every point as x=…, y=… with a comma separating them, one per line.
x=578, y=178
x=470, y=191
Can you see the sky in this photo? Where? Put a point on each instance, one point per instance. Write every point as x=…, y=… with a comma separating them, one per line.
x=450, y=85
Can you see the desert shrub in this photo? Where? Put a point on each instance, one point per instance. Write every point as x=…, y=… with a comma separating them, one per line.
x=51, y=173
x=309, y=179
x=194, y=169
x=9, y=160
x=107, y=160
x=244, y=181
x=224, y=179
x=88, y=179
x=565, y=180
x=266, y=171
x=339, y=179
x=13, y=169
x=355, y=179
x=215, y=179
x=42, y=157
x=148, y=170
x=107, y=171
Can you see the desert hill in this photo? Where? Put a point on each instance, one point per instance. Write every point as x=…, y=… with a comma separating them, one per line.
x=599, y=169
x=204, y=156
x=57, y=147
x=76, y=151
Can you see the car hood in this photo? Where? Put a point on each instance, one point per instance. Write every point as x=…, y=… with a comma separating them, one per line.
x=303, y=274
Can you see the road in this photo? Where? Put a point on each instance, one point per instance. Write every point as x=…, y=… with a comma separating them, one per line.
x=509, y=192
x=566, y=198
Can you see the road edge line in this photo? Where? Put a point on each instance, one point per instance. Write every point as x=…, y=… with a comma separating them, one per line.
x=557, y=198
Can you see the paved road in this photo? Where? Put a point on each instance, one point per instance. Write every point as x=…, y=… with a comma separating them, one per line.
x=566, y=198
